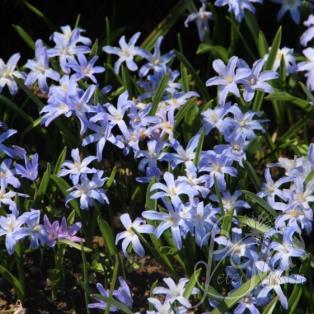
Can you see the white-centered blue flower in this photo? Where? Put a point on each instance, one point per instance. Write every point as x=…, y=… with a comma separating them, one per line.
x=126, y=52
x=129, y=236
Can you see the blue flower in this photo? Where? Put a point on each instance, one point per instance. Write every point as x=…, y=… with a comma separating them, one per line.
x=67, y=46
x=40, y=69
x=291, y=6
x=194, y=180
x=238, y=247
x=88, y=191
x=308, y=35
x=7, y=174
x=249, y=303
x=173, y=219
x=182, y=155
x=175, y=101
x=287, y=54
x=156, y=61
x=78, y=167
x=271, y=188
x=68, y=87
x=11, y=227
x=165, y=307
x=274, y=280
x=73, y=105
x=284, y=252
x=85, y=68
x=102, y=134
x=257, y=80
x=201, y=19
x=56, y=231
x=235, y=149
x=101, y=304
x=242, y=124
x=308, y=66
x=7, y=196
x=36, y=232
x=30, y=171
x=231, y=202
x=175, y=292
x=217, y=166
x=238, y=7
x=172, y=188
x=116, y=114
x=79, y=106
x=4, y=149
x=227, y=78
x=151, y=154
x=214, y=118
x=129, y=236
x=126, y=52
x=8, y=73
x=123, y=294
x=203, y=219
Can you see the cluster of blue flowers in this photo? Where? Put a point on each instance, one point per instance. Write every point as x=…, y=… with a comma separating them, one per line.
x=16, y=167
x=191, y=185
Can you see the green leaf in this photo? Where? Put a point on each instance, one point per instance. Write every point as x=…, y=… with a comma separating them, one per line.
x=244, y=41
x=71, y=217
x=60, y=161
x=309, y=177
x=254, y=224
x=307, y=93
x=113, y=280
x=252, y=175
x=199, y=147
x=32, y=126
x=40, y=14
x=293, y=130
x=273, y=50
x=30, y=94
x=219, y=51
x=262, y=44
x=271, y=306
x=77, y=21
x=75, y=245
x=239, y=293
x=26, y=37
x=85, y=277
x=191, y=284
x=166, y=24
x=94, y=49
x=198, y=81
x=111, y=178
x=13, y=281
x=43, y=185
x=150, y=203
x=11, y=105
x=284, y=96
x=296, y=294
x=260, y=202
x=182, y=112
x=127, y=81
x=157, y=254
x=111, y=301
x=252, y=25
x=159, y=93
x=282, y=71
x=258, y=100
x=107, y=235
x=63, y=187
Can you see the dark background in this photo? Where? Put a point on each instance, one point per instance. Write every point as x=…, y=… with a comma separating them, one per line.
x=131, y=15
